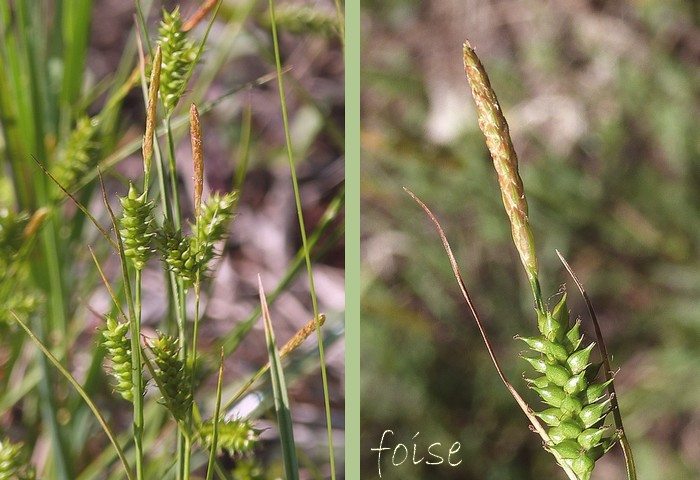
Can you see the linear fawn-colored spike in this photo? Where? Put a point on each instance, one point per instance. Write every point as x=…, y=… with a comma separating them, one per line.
x=197, y=158
x=151, y=111
x=495, y=129
x=35, y=223
x=199, y=15
x=302, y=335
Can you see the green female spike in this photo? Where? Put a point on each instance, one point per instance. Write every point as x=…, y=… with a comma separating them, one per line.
x=178, y=54
x=118, y=348
x=136, y=227
x=172, y=375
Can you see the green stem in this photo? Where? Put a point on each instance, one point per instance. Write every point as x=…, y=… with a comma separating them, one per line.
x=135, y=328
x=302, y=229
x=197, y=290
x=174, y=190
x=195, y=332
x=187, y=446
x=537, y=293
x=185, y=441
x=184, y=444
x=192, y=368
x=55, y=320
x=165, y=205
x=187, y=456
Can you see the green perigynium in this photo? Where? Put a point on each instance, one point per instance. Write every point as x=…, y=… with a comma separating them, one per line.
x=173, y=376
x=136, y=227
x=118, y=348
x=236, y=436
x=13, y=462
x=178, y=54
x=21, y=301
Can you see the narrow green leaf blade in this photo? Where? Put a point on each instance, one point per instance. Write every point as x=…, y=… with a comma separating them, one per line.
x=279, y=391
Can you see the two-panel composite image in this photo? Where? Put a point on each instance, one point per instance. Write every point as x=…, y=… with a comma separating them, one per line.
x=320, y=240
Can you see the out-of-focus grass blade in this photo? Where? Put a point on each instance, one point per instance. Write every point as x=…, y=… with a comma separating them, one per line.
x=279, y=390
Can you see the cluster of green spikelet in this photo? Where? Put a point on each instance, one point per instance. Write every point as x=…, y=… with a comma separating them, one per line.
x=13, y=462
x=79, y=155
x=235, y=436
x=296, y=18
x=179, y=53
x=188, y=256
x=118, y=349
x=578, y=406
x=173, y=376
x=137, y=229
x=12, y=227
x=187, y=253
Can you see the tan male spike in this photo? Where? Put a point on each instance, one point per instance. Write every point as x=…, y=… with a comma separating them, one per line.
x=495, y=128
x=151, y=113
x=197, y=158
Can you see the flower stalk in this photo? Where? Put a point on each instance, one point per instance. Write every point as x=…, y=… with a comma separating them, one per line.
x=494, y=126
x=565, y=376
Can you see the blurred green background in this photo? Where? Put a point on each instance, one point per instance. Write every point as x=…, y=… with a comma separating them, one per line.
x=603, y=102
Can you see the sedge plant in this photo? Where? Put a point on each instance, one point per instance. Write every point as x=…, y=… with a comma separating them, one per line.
x=158, y=374
x=572, y=423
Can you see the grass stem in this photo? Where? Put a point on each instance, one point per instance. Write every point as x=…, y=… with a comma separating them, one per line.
x=302, y=230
